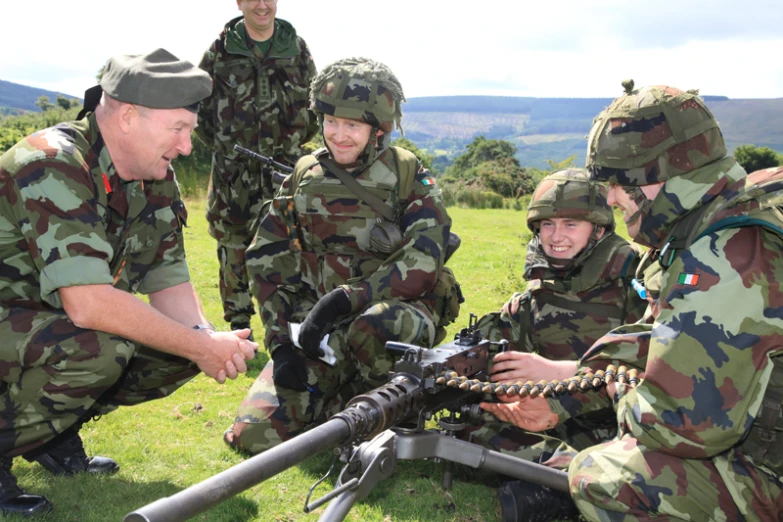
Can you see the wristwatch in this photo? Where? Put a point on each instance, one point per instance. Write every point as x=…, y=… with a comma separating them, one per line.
x=208, y=326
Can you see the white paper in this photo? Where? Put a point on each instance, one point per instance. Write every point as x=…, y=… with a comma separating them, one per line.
x=328, y=357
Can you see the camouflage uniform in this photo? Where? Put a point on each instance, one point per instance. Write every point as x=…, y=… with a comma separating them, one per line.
x=259, y=102
x=564, y=310
x=698, y=436
x=315, y=238
x=68, y=219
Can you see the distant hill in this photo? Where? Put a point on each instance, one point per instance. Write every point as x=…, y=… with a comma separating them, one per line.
x=21, y=97
x=555, y=128
x=541, y=128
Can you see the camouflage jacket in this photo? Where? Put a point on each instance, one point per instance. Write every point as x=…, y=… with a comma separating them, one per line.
x=258, y=101
x=315, y=238
x=716, y=342
x=67, y=219
x=567, y=313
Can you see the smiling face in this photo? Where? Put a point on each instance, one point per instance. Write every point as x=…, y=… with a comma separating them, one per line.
x=346, y=139
x=259, y=17
x=564, y=238
x=155, y=137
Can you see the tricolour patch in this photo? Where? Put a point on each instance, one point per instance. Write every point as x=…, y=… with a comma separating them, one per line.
x=688, y=279
x=428, y=181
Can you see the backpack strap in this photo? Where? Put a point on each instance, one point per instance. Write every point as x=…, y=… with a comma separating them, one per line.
x=407, y=165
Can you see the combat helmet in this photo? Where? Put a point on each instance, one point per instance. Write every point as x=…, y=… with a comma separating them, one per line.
x=651, y=134
x=570, y=193
x=364, y=90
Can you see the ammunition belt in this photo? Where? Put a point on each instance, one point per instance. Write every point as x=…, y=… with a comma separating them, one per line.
x=577, y=383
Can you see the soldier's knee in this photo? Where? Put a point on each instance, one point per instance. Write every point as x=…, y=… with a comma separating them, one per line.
x=255, y=437
x=101, y=354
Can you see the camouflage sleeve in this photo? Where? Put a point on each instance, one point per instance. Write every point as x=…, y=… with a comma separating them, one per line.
x=169, y=267
x=306, y=57
x=206, y=126
x=273, y=267
x=708, y=362
x=412, y=270
x=624, y=346
x=510, y=324
x=54, y=205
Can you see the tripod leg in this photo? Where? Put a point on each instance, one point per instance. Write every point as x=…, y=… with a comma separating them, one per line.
x=378, y=462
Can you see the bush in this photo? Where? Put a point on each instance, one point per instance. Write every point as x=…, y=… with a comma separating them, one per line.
x=456, y=194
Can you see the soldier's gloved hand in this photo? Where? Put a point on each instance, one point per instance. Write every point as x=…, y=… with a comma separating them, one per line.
x=320, y=320
x=288, y=368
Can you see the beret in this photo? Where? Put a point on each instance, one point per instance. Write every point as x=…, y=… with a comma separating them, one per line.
x=158, y=80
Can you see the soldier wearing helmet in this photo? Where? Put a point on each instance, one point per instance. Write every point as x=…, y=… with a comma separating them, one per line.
x=699, y=435
x=352, y=250
x=578, y=273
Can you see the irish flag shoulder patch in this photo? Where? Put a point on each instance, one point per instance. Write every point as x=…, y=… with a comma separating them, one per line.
x=428, y=181
x=688, y=279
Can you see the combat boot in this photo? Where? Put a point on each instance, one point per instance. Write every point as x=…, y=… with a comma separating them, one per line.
x=523, y=501
x=13, y=499
x=65, y=456
x=241, y=325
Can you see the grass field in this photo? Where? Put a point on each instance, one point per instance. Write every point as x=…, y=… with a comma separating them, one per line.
x=167, y=445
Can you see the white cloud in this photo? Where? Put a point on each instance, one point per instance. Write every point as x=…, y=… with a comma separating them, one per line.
x=567, y=48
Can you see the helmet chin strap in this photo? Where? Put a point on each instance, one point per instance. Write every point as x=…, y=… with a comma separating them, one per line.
x=642, y=204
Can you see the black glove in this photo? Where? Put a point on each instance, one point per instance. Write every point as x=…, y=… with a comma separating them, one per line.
x=321, y=319
x=288, y=369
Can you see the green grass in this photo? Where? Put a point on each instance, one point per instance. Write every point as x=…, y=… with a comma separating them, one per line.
x=167, y=445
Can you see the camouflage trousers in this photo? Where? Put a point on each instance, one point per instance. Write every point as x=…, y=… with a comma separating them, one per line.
x=271, y=414
x=55, y=374
x=233, y=210
x=623, y=480
x=555, y=448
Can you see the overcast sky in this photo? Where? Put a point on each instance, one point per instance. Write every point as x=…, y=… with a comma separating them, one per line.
x=549, y=48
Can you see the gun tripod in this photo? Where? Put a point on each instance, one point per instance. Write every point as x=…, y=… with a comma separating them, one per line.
x=376, y=460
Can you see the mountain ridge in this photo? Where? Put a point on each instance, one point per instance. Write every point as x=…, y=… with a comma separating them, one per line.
x=541, y=128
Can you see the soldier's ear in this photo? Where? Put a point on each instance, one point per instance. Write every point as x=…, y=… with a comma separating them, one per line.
x=126, y=115
x=378, y=133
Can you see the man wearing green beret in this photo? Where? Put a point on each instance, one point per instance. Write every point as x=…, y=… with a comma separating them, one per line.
x=90, y=213
x=262, y=72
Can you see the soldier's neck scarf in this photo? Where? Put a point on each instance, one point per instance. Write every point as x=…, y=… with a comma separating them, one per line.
x=683, y=194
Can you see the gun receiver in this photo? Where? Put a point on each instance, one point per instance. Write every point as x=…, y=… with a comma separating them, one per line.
x=416, y=391
x=278, y=170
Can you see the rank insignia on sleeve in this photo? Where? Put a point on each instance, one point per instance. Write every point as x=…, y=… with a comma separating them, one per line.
x=688, y=279
x=428, y=181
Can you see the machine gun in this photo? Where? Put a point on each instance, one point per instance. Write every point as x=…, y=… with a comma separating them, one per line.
x=392, y=419
x=276, y=171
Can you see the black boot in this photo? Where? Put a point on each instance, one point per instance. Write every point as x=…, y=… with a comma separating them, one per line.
x=65, y=456
x=241, y=325
x=13, y=499
x=523, y=501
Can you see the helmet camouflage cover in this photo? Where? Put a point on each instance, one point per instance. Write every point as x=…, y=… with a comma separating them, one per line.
x=651, y=134
x=359, y=89
x=572, y=194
